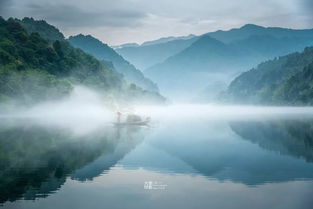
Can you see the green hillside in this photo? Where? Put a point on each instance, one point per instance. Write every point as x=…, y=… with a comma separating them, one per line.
x=220, y=57
x=45, y=30
x=32, y=69
x=286, y=80
x=102, y=51
x=153, y=52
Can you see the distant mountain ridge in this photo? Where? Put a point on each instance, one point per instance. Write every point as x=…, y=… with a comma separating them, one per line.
x=209, y=60
x=102, y=51
x=157, y=41
x=164, y=48
x=167, y=39
x=154, y=52
x=248, y=30
x=124, y=45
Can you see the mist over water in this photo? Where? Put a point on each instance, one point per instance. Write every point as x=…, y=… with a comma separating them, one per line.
x=222, y=112
x=82, y=112
x=86, y=125
x=86, y=110
x=73, y=147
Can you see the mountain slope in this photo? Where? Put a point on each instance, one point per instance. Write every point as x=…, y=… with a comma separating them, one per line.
x=33, y=70
x=45, y=30
x=298, y=89
x=167, y=39
x=252, y=30
x=204, y=54
x=51, y=33
x=206, y=62
x=153, y=52
x=286, y=80
x=185, y=74
x=103, y=52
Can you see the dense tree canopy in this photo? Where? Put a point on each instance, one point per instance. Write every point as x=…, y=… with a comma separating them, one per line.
x=103, y=52
x=33, y=68
x=45, y=30
x=284, y=80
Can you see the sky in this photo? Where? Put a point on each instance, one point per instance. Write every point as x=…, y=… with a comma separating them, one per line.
x=126, y=21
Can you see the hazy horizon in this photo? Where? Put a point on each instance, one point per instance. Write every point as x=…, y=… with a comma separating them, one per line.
x=185, y=35
x=137, y=21
x=219, y=120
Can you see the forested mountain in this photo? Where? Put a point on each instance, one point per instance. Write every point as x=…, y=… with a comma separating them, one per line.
x=256, y=30
x=45, y=30
x=286, y=80
x=204, y=51
x=153, y=52
x=214, y=60
x=298, y=89
x=164, y=48
x=167, y=39
x=32, y=69
x=102, y=51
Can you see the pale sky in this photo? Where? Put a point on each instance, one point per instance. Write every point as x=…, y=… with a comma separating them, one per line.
x=125, y=21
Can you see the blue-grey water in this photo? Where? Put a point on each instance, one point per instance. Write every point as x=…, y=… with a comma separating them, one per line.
x=218, y=160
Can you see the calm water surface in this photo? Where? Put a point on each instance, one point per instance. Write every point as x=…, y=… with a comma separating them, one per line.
x=187, y=162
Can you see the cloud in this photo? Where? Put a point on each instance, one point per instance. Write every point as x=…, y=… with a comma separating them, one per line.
x=308, y=5
x=73, y=16
x=4, y=5
x=120, y=21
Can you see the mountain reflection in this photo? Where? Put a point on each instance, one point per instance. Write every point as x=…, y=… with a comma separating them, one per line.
x=223, y=151
x=287, y=137
x=35, y=161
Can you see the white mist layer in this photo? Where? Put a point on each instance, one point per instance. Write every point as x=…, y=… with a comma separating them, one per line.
x=223, y=112
x=82, y=104
x=85, y=111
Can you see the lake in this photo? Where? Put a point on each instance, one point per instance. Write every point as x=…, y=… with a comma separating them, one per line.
x=190, y=156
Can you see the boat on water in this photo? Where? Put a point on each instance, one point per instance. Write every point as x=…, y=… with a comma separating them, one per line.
x=141, y=123
x=132, y=120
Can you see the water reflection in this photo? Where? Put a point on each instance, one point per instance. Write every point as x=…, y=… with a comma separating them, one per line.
x=287, y=137
x=204, y=159
x=35, y=161
x=223, y=151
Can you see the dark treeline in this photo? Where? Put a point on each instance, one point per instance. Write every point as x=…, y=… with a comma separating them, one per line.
x=284, y=80
x=35, y=68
